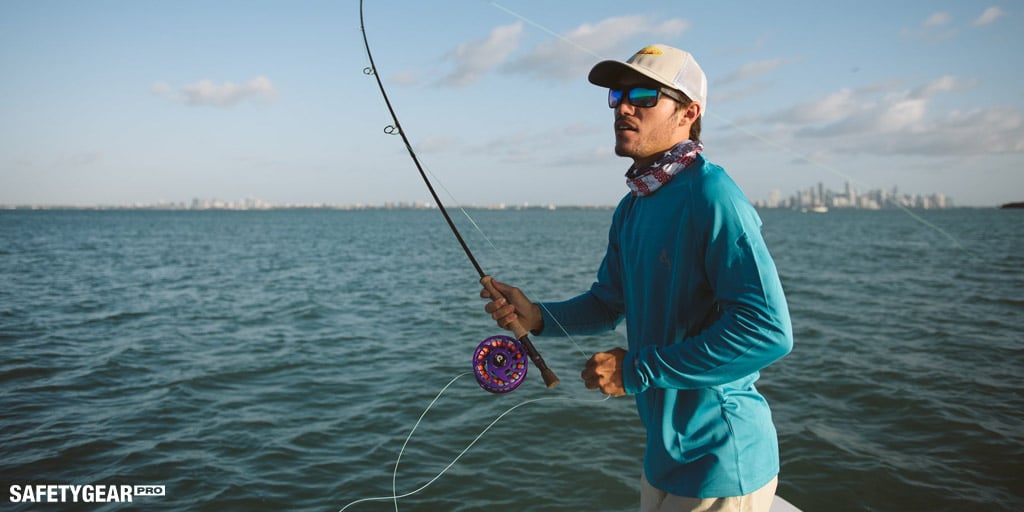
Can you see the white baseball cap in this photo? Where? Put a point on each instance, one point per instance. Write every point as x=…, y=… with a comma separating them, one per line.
x=671, y=67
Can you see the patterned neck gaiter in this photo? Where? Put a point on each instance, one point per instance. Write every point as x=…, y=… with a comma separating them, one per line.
x=645, y=181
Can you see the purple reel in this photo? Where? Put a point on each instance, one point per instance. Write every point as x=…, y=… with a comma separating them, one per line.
x=499, y=364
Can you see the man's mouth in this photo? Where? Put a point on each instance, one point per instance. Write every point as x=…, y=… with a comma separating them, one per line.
x=624, y=125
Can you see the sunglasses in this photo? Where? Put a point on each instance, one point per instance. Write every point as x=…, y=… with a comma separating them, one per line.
x=643, y=97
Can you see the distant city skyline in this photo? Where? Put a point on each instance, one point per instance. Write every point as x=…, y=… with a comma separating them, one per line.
x=817, y=197
x=259, y=204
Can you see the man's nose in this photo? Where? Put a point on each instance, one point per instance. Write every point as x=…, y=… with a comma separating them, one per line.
x=625, y=108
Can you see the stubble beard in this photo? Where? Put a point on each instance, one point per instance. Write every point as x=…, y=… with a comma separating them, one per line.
x=625, y=148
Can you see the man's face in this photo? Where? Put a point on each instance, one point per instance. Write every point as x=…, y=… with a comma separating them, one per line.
x=645, y=133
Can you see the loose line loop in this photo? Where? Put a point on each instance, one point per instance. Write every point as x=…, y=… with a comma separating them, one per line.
x=394, y=478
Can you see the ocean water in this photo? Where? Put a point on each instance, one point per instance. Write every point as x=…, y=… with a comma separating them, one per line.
x=277, y=360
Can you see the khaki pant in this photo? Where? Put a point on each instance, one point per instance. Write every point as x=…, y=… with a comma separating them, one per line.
x=656, y=500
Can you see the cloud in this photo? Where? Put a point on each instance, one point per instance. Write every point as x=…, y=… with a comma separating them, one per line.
x=897, y=120
x=947, y=83
x=938, y=27
x=751, y=70
x=406, y=78
x=955, y=133
x=875, y=109
x=933, y=29
x=567, y=57
x=937, y=19
x=474, y=59
x=988, y=17
x=838, y=105
x=1005, y=128
x=208, y=93
x=573, y=53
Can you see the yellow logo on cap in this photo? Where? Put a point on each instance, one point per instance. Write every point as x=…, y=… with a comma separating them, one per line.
x=650, y=50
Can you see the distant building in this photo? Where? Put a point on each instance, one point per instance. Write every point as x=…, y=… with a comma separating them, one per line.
x=818, y=198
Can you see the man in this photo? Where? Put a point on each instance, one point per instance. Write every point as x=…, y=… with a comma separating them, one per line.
x=687, y=269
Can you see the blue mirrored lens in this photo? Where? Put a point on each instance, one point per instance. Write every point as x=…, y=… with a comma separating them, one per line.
x=614, y=97
x=637, y=96
x=643, y=97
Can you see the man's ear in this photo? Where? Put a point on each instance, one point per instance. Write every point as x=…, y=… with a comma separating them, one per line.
x=691, y=113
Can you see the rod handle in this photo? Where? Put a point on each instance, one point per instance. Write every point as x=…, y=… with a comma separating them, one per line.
x=516, y=326
x=550, y=379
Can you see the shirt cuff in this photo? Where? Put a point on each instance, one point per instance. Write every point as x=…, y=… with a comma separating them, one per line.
x=632, y=378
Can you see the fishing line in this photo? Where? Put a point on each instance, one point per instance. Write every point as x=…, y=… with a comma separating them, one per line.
x=394, y=476
x=394, y=488
x=501, y=255
x=745, y=131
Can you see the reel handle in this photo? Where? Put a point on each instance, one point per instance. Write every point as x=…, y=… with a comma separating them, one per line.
x=550, y=379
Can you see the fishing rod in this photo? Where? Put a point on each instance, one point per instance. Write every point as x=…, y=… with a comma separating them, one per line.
x=498, y=363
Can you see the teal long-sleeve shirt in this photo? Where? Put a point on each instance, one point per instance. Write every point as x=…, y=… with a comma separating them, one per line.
x=689, y=272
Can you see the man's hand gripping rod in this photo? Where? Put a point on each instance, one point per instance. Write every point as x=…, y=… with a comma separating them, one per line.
x=520, y=332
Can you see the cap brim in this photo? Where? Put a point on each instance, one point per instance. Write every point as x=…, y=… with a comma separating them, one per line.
x=608, y=73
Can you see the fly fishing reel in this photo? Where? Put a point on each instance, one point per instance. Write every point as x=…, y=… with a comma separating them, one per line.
x=499, y=364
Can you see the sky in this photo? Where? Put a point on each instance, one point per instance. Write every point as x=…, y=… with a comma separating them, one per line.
x=124, y=101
